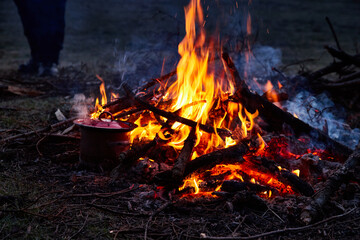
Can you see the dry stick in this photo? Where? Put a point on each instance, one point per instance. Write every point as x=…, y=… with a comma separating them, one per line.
x=343, y=56
x=125, y=100
x=332, y=184
x=333, y=67
x=355, y=82
x=53, y=126
x=159, y=210
x=156, y=80
x=349, y=77
x=333, y=32
x=285, y=230
x=174, y=117
x=276, y=117
x=184, y=157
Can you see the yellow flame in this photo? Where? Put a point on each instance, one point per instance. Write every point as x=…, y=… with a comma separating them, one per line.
x=296, y=172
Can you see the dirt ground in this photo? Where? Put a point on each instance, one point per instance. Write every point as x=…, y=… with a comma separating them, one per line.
x=43, y=192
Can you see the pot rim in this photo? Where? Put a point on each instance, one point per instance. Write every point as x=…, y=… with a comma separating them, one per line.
x=131, y=126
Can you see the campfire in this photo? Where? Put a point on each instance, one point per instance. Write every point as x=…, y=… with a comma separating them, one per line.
x=214, y=135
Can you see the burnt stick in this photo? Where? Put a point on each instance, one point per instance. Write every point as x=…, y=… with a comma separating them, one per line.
x=276, y=117
x=174, y=117
x=343, y=56
x=332, y=184
x=333, y=67
x=184, y=157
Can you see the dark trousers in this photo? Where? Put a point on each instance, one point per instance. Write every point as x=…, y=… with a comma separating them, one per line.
x=44, y=26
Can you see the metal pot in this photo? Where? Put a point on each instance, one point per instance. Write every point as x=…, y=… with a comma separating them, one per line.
x=102, y=141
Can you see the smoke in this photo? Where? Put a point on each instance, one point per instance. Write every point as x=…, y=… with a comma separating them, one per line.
x=79, y=105
x=320, y=112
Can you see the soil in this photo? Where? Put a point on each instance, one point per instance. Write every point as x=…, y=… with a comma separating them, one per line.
x=45, y=194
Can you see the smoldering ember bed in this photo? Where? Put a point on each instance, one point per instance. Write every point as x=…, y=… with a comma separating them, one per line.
x=225, y=145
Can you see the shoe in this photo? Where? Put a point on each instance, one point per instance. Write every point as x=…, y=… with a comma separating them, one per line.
x=48, y=70
x=31, y=67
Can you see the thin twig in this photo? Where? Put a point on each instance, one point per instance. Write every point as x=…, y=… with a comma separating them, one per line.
x=160, y=209
x=333, y=32
x=282, y=230
x=82, y=227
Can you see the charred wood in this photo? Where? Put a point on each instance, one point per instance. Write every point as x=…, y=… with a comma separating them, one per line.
x=315, y=209
x=343, y=56
x=297, y=183
x=207, y=161
x=184, y=157
x=236, y=186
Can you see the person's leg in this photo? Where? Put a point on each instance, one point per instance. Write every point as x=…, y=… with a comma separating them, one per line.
x=29, y=21
x=44, y=26
x=51, y=35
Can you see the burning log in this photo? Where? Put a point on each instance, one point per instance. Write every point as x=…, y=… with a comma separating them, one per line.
x=207, y=161
x=332, y=184
x=285, y=176
x=184, y=157
x=174, y=117
x=210, y=160
x=236, y=186
x=297, y=183
x=275, y=116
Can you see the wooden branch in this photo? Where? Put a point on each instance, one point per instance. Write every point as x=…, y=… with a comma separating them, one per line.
x=276, y=117
x=333, y=67
x=349, y=77
x=48, y=128
x=333, y=32
x=184, y=157
x=124, y=102
x=355, y=82
x=332, y=184
x=153, y=81
x=343, y=56
x=174, y=117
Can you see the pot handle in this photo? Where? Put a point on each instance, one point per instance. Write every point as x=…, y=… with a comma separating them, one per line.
x=106, y=113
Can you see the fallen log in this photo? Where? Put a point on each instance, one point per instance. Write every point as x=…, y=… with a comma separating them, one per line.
x=315, y=209
x=276, y=117
x=174, y=117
